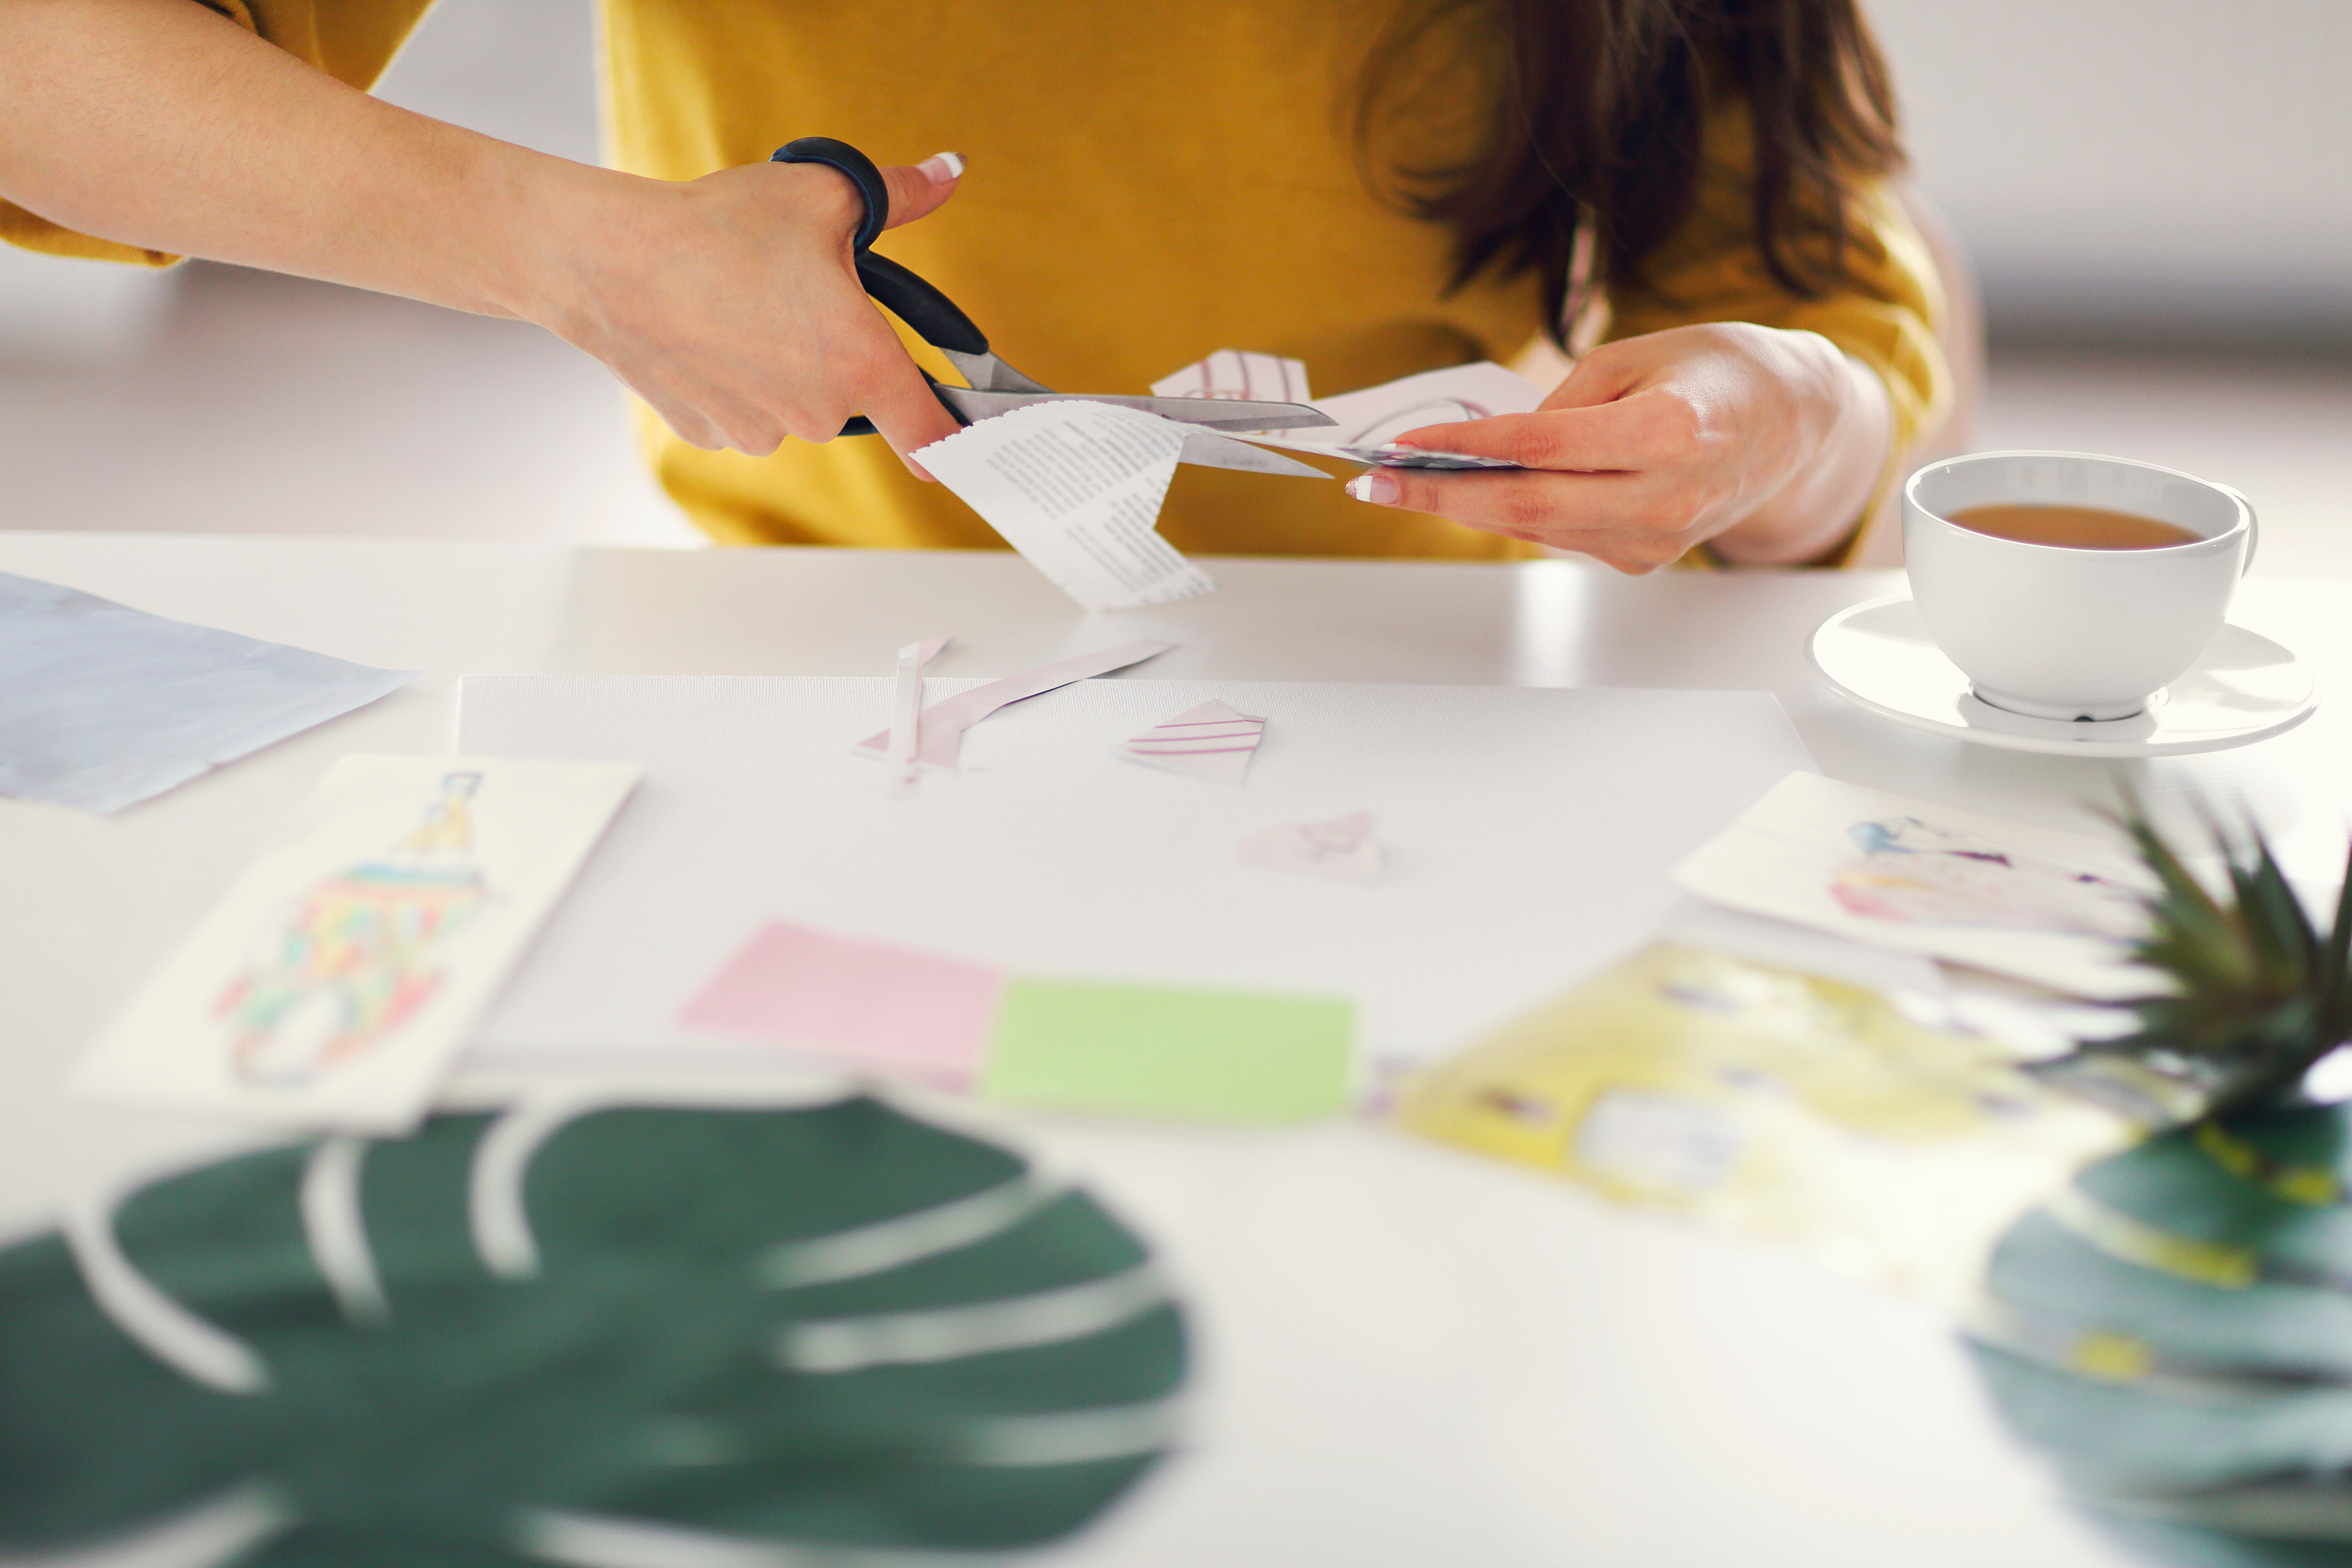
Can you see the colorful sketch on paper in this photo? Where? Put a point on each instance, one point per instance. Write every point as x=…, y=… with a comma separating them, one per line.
x=1913, y=871
x=362, y=951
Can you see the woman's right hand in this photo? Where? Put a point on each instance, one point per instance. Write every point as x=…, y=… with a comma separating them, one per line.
x=731, y=303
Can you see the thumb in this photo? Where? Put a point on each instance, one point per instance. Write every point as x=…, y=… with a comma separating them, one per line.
x=1604, y=375
x=919, y=190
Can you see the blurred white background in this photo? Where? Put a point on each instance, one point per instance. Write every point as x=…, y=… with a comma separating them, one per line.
x=2166, y=171
x=215, y=399
x=2158, y=194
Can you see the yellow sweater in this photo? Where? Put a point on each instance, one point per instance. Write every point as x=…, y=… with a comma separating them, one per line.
x=1144, y=189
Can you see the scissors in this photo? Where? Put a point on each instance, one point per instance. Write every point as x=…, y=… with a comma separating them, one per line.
x=996, y=387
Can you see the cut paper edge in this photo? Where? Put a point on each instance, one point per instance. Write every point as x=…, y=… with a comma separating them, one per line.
x=1075, y=487
x=944, y=722
x=907, y=711
x=1210, y=741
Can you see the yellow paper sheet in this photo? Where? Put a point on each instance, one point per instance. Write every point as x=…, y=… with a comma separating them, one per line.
x=1772, y=1103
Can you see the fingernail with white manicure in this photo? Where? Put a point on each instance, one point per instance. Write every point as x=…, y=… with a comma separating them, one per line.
x=941, y=167
x=1381, y=489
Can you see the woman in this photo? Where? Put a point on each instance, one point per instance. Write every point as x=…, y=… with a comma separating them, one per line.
x=1373, y=186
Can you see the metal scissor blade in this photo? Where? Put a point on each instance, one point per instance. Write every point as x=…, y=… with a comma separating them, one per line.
x=1229, y=414
x=990, y=373
x=1208, y=413
x=1211, y=450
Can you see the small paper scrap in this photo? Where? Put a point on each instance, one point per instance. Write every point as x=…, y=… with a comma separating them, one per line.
x=1341, y=849
x=1076, y=486
x=1210, y=742
x=868, y=1003
x=907, y=709
x=104, y=707
x=331, y=985
x=943, y=723
x=1240, y=374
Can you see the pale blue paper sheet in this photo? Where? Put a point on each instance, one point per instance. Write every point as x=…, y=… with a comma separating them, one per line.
x=103, y=707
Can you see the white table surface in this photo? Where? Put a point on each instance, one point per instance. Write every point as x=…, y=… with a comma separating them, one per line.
x=1407, y=1356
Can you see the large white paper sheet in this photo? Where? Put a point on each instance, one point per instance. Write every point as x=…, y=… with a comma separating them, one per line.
x=2053, y=908
x=1529, y=834
x=1076, y=486
x=102, y=706
x=333, y=981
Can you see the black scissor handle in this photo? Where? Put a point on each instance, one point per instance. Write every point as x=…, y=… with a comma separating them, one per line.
x=912, y=300
x=932, y=314
x=860, y=169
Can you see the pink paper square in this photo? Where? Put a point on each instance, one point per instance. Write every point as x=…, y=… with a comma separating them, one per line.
x=890, y=1009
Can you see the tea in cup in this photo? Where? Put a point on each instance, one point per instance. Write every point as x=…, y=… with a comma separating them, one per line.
x=2067, y=586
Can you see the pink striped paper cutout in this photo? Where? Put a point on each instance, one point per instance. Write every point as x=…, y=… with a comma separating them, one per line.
x=1210, y=742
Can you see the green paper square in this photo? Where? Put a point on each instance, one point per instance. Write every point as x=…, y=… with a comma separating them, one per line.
x=1226, y=1056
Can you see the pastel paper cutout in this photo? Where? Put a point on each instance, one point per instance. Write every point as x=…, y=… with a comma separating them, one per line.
x=907, y=711
x=1228, y=1056
x=1166, y=1050
x=869, y=1003
x=944, y=722
x=1210, y=742
x=1341, y=849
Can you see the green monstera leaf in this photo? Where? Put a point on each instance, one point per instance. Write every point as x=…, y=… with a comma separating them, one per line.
x=594, y=1336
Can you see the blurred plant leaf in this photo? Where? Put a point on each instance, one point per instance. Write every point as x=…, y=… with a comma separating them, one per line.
x=2259, y=993
x=587, y=1338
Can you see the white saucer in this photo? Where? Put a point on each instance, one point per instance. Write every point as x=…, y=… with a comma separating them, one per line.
x=2245, y=688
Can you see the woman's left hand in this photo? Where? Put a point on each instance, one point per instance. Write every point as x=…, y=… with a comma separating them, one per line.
x=1768, y=443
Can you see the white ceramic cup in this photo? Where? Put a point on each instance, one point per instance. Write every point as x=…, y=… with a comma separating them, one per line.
x=2059, y=634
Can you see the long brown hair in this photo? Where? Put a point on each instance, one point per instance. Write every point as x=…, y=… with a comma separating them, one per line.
x=1602, y=104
